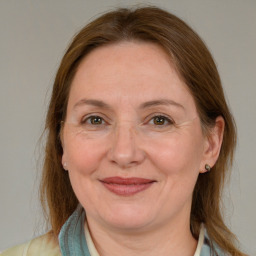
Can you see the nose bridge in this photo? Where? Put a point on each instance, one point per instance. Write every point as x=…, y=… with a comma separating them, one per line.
x=125, y=150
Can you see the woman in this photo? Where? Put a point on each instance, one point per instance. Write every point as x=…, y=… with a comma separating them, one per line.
x=140, y=140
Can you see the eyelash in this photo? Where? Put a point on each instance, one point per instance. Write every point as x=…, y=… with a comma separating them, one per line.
x=164, y=118
x=103, y=121
x=85, y=120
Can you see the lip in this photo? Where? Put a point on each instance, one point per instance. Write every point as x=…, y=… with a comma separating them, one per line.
x=126, y=186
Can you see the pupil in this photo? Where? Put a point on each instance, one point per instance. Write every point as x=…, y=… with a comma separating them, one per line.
x=159, y=120
x=96, y=120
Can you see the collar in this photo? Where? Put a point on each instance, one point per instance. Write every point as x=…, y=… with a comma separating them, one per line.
x=75, y=238
x=72, y=237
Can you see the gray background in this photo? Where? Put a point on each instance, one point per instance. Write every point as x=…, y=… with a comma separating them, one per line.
x=34, y=35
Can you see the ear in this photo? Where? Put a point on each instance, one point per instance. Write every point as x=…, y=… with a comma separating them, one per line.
x=61, y=137
x=64, y=160
x=213, y=142
x=61, y=133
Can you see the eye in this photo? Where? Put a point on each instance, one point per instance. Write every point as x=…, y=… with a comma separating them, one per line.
x=160, y=120
x=93, y=120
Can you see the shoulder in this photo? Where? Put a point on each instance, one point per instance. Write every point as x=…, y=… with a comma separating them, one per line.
x=40, y=246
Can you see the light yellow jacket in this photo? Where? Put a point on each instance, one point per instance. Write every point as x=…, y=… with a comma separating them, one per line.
x=45, y=245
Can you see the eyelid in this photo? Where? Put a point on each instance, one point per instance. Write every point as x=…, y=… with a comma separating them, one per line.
x=167, y=117
x=107, y=120
x=90, y=115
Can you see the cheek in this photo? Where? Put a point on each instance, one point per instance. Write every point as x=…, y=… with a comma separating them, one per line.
x=83, y=158
x=178, y=154
x=83, y=155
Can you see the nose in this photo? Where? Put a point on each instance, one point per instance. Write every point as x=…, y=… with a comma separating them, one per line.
x=124, y=150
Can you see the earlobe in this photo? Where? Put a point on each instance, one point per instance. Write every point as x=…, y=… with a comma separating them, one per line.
x=213, y=144
x=64, y=162
x=65, y=166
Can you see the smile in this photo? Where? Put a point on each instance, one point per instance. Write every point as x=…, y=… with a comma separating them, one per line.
x=126, y=186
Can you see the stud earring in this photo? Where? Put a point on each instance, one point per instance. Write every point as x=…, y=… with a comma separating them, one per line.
x=65, y=166
x=207, y=167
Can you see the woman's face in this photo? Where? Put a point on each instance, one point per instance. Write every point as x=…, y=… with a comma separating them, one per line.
x=132, y=139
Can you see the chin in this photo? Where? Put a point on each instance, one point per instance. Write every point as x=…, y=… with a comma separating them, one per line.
x=128, y=218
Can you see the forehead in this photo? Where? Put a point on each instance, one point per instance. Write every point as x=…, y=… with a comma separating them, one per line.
x=128, y=71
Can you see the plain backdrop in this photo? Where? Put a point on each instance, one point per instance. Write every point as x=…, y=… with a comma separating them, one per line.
x=34, y=35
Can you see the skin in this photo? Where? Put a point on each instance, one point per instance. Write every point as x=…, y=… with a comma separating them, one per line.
x=126, y=141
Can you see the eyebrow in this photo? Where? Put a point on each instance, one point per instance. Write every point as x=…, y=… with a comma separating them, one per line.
x=153, y=103
x=165, y=102
x=96, y=103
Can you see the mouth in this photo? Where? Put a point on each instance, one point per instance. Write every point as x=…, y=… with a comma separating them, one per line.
x=126, y=186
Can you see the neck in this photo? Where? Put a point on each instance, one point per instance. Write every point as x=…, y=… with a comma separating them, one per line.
x=166, y=240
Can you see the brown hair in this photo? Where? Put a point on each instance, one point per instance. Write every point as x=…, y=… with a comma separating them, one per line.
x=195, y=65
